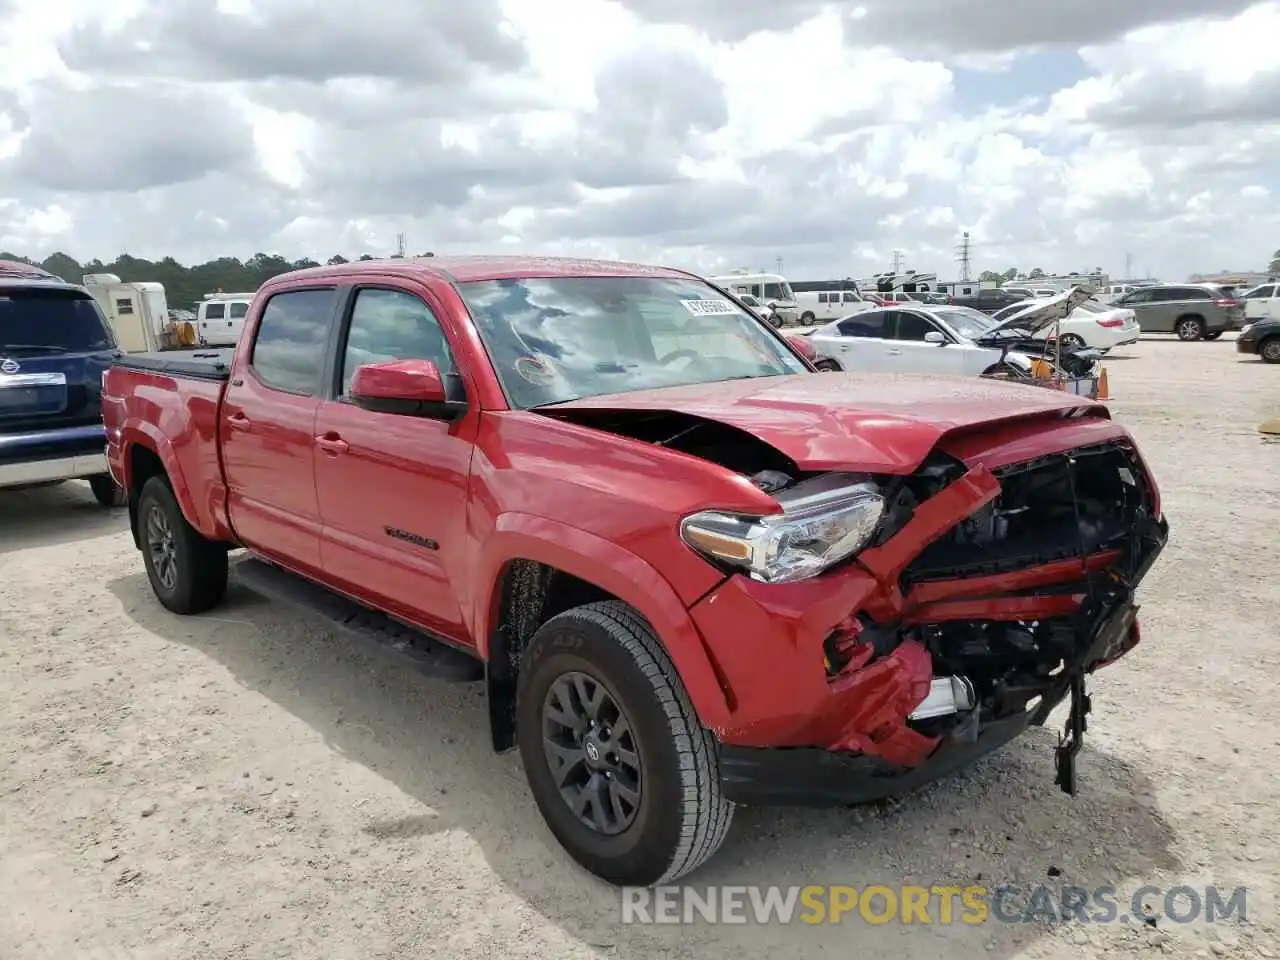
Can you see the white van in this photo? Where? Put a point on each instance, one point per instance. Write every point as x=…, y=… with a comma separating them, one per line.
x=820, y=306
x=220, y=318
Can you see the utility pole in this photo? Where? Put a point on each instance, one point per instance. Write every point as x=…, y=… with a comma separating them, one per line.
x=897, y=262
x=400, y=245
x=962, y=255
x=1128, y=266
x=778, y=261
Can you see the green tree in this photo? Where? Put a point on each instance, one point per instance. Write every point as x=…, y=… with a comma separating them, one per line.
x=1274, y=266
x=989, y=276
x=1035, y=274
x=1010, y=274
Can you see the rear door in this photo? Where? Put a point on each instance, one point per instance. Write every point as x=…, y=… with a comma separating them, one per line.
x=1143, y=304
x=392, y=488
x=267, y=429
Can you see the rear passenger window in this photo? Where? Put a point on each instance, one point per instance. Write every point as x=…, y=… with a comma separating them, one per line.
x=215, y=311
x=870, y=325
x=393, y=325
x=239, y=311
x=288, y=351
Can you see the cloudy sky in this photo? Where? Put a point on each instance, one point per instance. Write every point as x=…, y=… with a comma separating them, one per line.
x=711, y=134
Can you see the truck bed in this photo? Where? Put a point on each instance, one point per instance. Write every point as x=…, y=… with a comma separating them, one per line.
x=204, y=364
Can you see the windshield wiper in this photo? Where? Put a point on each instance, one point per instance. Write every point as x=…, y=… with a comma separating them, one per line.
x=36, y=347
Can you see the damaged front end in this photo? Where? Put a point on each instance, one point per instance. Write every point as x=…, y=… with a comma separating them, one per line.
x=980, y=601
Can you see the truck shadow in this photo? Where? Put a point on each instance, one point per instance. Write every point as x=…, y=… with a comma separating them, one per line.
x=1001, y=822
x=48, y=516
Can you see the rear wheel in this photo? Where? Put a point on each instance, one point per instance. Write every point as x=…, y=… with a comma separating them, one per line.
x=1003, y=371
x=107, y=492
x=807, y=318
x=1190, y=328
x=188, y=572
x=1213, y=336
x=1071, y=341
x=827, y=366
x=622, y=770
x=1269, y=350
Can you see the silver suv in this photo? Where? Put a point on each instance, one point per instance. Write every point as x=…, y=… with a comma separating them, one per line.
x=1194, y=311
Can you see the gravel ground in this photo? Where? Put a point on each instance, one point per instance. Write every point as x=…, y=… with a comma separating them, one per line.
x=246, y=784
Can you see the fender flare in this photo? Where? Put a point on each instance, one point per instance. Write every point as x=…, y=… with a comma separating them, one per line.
x=521, y=536
x=140, y=433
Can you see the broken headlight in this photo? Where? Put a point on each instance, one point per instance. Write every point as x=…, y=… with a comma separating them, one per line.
x=823, y=521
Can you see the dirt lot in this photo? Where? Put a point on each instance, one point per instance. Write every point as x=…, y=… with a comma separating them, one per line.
x=247, y=784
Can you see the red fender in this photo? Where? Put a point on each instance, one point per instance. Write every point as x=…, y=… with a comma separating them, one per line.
x=518, y=536
x=207, y=515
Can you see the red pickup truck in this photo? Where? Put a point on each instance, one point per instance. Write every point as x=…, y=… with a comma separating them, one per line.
x=692, y=571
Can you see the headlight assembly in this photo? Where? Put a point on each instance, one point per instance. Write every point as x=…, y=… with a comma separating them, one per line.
x=823, y=521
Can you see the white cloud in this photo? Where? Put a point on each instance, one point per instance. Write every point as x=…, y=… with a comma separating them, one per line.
x=703, y=133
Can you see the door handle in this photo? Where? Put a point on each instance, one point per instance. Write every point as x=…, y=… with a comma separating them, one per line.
x=894, y=353
x=332, y=443
x=238, y=421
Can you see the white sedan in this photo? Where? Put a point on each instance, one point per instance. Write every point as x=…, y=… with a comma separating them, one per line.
x=1091, y=324
x=936, y=339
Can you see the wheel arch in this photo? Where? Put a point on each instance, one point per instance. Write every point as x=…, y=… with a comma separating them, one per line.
x=539, y=568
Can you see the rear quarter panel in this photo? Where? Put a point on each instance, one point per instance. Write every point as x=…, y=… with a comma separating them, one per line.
x=175, y=418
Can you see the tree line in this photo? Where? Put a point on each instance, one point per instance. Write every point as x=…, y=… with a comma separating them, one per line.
x=184, y=286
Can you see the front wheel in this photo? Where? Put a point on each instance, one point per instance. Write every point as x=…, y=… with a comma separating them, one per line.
x=1190, y=329
x=107, y=492
x=827, y=366
x=188, y=572
x=1269, y=350
x=807, y=318
x=622, y=770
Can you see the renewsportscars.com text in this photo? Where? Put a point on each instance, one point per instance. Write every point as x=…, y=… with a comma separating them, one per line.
x=936, y=904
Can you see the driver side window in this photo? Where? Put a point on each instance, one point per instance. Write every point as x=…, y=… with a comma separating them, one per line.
x=911, y=326
x=392, y=325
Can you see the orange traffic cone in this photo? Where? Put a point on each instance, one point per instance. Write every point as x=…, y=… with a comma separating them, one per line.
x=1103, y=392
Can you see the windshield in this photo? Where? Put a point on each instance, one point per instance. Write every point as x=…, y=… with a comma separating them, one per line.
x=970, y=324
x=554, y=339
x=778, y=291
x=36, y=321
x=1092, y=306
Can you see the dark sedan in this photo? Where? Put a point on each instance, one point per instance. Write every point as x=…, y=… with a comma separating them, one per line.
x=1262, y=339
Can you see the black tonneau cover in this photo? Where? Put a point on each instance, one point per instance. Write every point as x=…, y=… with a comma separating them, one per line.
x=204, y=364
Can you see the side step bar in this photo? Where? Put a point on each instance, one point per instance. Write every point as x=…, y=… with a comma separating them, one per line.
x=429, y=656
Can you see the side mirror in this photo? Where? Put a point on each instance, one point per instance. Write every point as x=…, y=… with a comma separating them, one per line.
x=804, y=347
x=773, y=304
x=408, y=387
x=933, y=336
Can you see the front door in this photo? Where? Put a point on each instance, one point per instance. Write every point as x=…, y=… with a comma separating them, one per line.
x=392, y=488
x=909, y=352
x=267, y=429
x=1259, y=303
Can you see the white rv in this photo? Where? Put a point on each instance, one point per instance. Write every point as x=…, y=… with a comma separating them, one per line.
x=138, y=312
x=220, y=318
x=765, y=287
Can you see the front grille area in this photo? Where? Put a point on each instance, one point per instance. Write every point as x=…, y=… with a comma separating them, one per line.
x=1053, y=508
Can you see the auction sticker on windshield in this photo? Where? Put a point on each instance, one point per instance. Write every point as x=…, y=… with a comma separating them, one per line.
x=710, y=308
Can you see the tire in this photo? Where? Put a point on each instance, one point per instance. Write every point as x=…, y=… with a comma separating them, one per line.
x=681, y=816
x=827, y=366
x=106, y=492
x=197, y=578
x=1269, y=350
x=1190, y=328
x=1215, y=335
x=807, y=318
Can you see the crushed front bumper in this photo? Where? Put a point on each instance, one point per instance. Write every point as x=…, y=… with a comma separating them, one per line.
x=802, y=731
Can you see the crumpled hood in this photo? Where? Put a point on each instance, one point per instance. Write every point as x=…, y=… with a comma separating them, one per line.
x=877, y=423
